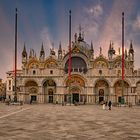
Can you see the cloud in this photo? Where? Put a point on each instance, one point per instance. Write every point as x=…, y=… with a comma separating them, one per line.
x=95, y=11
x=91, y=21
x=45, y=37
x=136, y=23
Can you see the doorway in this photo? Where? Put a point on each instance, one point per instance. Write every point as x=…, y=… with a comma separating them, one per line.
x=50, y=93
x=33, y=98
x=50, y=98
x=75, y=97
x=101, y=95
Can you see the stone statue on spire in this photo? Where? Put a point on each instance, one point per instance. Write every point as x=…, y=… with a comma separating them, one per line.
x=80, y=38
x=100, y=50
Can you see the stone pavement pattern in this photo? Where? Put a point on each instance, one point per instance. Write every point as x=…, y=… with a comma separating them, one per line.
x=56, y=122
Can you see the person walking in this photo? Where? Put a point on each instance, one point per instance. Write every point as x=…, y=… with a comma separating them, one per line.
x=109, y=105
x=103, y=105
x=106, y=105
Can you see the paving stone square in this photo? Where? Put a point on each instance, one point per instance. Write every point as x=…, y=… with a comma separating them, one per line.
x=56, y=122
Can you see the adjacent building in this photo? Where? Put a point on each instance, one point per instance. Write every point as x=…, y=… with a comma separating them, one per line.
x=2, y=90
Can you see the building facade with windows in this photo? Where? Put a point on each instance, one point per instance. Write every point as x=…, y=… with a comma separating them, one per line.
x=2, y=90
x=93, y=80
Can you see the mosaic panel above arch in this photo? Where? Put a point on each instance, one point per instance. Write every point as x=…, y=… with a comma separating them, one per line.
x=100, y=62
x=75, y=80
x=101, y=83
x=31, y=83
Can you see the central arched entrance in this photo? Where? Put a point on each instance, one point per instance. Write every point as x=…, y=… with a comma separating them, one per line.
x=49, y=88
x=75, y=89
x=75, y=92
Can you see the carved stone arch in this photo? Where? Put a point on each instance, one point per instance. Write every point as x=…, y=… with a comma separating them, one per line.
x=126, y=81
x=46, y=79
x=100, y=62
x=50, y=63
x=102, y=89
x=49, y=89
x=80, y=55
x=78, y=64
x=117, y=63
x=29, y=83
x=75, y=80
x=96, y=81
x=118, y=88
x=33, y=64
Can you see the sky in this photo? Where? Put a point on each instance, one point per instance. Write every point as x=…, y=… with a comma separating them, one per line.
x=46, y=21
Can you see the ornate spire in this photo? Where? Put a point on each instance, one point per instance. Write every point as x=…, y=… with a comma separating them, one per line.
x=100, y=50
x=60, y=48
x=60, y=51
x=131, y=50
x=24, y=53
x=80, y=38
x=125, y=53
x=30, y=55
x=92, y=47
x=75, y=37
x=110, y=45
x=42, y=51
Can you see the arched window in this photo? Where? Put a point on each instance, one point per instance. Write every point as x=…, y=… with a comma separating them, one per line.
x=78, y=65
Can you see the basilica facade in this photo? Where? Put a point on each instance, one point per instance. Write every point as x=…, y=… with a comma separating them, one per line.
x=44, y=79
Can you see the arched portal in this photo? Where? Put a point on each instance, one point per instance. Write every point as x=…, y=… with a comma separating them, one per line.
x=118, y=90
x=78, y=65
x=49, y=88
x=75, y=89
x=31, y=88
x=102, y=90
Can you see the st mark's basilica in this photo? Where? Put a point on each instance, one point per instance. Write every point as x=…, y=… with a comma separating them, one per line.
x=44, y=79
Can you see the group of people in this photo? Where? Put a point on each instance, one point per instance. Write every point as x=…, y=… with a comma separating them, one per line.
x=107, y=105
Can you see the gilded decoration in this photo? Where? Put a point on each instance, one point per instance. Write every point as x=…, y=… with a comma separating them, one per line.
x=51, y=83
x=100, y=64
x=102, y=84
x=118, y=63
x=32, y=90
x=30, y=83
x=76, y=50
x=34, y=64
x=75, y=90
x=119, y=84
x=51, y=63
x=75, y=80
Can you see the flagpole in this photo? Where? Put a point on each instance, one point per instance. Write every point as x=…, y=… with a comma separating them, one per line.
x=70, y=62
x=15, y=89
x=122, y=99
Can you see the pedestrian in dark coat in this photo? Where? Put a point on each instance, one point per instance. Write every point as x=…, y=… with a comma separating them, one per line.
x=109, y=105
